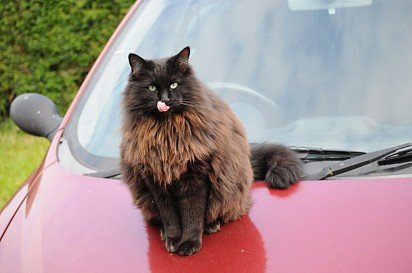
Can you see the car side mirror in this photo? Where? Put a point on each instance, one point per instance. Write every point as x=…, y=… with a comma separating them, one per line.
x=35, y=114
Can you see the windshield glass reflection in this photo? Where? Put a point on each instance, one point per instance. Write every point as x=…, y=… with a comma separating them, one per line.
x=301, y=78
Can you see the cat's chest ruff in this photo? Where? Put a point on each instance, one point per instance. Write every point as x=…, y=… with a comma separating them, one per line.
x=166, y=147
x=169, y=138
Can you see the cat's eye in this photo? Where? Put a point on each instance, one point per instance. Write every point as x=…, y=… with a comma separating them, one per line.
x=152, y=88
x=173, y=85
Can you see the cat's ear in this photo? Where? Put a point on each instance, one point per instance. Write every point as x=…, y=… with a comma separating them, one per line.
x=136, y=61
x=184, y=54
x=182, y=59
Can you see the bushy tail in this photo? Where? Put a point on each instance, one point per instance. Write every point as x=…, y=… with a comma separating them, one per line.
x=276, y=164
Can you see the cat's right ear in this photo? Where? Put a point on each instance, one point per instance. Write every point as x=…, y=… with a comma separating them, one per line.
x=136, y=62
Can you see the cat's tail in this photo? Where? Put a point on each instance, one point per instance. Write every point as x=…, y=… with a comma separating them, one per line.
x=276, y=164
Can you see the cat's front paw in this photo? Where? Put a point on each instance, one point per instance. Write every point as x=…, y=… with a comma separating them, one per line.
x=189, y=247
x=172, y=243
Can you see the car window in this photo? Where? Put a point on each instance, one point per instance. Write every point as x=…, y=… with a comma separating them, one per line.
x=314, y=78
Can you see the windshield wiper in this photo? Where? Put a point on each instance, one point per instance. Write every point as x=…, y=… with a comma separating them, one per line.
x=318, y=154
x=356, y=162
x=396, y=158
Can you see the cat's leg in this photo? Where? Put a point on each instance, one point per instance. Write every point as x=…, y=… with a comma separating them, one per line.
x=227, y=201
x=213, y=219
x=170, y=218
x=219, y=212
x=192, y=207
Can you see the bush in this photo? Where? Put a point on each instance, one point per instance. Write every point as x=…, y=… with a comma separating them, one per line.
x=49, y=46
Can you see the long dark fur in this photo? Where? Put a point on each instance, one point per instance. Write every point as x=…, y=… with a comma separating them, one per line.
x=189, y=168
x=276, y=164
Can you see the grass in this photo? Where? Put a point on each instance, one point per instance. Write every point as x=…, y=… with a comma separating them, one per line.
x=20, y=154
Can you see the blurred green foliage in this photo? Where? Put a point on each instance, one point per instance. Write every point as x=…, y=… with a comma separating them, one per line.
x=20, y=154
x=49, y=46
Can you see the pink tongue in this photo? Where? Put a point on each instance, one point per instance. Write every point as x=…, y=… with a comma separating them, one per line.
x=162, y=107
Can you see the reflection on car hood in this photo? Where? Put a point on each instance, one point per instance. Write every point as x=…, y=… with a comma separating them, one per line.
x=73, y=223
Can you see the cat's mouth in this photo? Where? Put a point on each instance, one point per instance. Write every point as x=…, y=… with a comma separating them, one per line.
x=162, y=107
x=169, y=107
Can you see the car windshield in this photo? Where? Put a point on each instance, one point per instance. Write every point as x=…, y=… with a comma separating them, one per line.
x=330, y=77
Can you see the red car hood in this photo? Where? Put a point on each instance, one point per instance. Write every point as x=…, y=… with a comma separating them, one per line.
x=73, y=223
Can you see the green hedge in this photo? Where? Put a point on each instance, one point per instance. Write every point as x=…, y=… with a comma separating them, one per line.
x=49, y=46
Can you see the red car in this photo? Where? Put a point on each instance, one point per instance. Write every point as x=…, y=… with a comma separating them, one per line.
x=330, y=79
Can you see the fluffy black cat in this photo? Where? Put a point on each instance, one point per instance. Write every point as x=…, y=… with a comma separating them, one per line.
x=185, y=155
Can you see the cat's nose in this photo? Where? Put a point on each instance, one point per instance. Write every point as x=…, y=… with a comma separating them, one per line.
x=165, y=98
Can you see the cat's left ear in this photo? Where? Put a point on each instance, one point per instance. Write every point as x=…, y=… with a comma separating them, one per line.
x=182, y=59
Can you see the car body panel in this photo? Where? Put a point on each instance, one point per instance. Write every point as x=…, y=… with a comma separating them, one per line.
x=75, y=223
x=9, y=210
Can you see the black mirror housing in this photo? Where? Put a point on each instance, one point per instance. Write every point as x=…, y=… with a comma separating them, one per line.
x=35, y=114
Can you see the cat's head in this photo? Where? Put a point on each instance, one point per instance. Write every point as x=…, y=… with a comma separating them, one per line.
x=160, y=86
